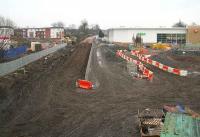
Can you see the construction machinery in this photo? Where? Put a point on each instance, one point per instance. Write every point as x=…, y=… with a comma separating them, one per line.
x=173, y=120
x=161, y=46
x=69, y=39
x=150, y=122
x=137, y=44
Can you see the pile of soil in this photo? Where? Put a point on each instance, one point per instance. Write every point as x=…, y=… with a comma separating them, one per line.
x=30, y=103
x=186, y=62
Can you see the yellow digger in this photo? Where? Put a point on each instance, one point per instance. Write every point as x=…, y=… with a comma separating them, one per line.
x=161, y=46
x=69, y=39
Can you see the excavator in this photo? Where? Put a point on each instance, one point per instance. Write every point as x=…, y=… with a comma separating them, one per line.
x=138, y=42
x=69, y=39
x=161, y=46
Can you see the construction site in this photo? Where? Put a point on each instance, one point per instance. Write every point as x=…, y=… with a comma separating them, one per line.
x=91, y=68
x=44, y=98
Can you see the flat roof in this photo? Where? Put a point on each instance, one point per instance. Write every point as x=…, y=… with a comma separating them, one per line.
x=43, y=28
x=145, y=28
x=6, y=27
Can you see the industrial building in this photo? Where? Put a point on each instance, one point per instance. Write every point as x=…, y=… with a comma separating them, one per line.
x=149, y=35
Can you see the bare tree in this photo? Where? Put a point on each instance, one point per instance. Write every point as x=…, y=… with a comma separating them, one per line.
x=6, y=22
x=2, y=21
x=6, y=26
x=58, y=24
x=96, y=27
x=72, y=26
x=194, y=24
x=101, y=34
x=84, y=26
x=179, y=24
x=10, y=23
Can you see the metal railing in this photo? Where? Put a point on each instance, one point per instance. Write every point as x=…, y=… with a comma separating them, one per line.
x=190, y=47
x=8, y=67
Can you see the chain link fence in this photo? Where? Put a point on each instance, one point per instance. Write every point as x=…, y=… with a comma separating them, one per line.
x=8, y=67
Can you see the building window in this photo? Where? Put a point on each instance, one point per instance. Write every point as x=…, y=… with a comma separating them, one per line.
x=171, y=38
x=58, y=35
x=40, y=34
x=31, y=34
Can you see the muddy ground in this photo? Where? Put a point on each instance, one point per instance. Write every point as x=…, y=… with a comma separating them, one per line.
x=45, y=102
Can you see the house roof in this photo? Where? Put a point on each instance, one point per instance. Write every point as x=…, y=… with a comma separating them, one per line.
x=43, y=28
x=6, y=27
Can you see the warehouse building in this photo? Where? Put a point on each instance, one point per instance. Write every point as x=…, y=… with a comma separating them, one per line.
x=149, y=35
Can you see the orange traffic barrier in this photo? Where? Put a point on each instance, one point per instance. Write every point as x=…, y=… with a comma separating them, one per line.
x=159, y=65
x=84, y=84
x=146, y=72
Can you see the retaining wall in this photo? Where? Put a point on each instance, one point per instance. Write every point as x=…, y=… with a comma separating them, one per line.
x=88, y=68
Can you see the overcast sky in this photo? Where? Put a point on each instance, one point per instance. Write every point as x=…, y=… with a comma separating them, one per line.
x=106, y=13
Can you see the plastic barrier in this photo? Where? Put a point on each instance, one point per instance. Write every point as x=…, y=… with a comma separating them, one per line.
x=85, y=84
x=146, y=73
x=159, y=65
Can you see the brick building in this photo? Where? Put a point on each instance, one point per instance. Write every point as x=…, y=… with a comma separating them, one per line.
x=41, y=33
x=20, y=33
x=193, y=34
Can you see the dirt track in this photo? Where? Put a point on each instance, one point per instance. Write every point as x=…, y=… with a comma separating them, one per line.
x=45, y=102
